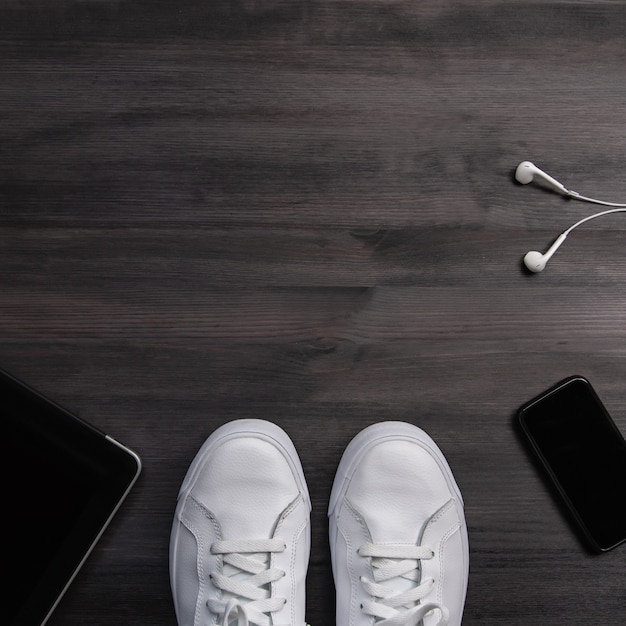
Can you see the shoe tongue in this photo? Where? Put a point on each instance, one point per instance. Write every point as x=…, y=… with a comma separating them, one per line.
x=237, y=575
x=399, y=584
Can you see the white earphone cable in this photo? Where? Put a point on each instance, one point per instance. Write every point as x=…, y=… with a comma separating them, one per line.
x=592, y=217
x=525, y=172
x=576, y=196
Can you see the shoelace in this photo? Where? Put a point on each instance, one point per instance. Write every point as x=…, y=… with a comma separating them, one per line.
x=389, y=606
x=245, y=581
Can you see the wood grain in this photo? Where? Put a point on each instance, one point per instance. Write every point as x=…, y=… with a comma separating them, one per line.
x=305, y=212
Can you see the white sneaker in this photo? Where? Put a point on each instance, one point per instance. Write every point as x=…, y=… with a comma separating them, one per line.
x=240, y=542
x=398, y=537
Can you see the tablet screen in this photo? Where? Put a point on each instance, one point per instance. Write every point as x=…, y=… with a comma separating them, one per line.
x=62, y=482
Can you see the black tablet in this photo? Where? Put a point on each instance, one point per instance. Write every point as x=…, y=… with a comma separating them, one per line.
x=62, y=482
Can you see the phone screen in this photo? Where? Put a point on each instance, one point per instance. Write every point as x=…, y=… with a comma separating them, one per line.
x=584, y=454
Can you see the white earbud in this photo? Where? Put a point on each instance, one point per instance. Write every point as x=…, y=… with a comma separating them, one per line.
x=536, y=262
x=526, y=172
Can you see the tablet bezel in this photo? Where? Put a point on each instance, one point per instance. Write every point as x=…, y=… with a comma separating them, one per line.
x=37, y=425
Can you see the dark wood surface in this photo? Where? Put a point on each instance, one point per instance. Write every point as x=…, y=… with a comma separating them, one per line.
x=305, y=212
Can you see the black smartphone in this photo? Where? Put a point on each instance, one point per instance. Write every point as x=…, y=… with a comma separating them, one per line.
x=584, y=455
